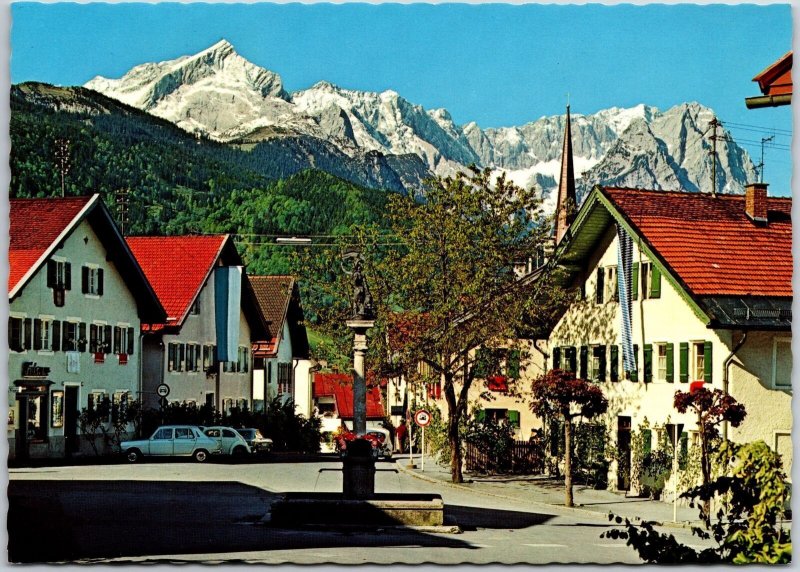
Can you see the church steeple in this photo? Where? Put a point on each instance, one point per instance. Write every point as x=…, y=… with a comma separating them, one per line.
x=566, y=206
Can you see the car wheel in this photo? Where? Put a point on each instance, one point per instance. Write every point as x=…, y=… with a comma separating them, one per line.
x=201, y=455
x=239, y=453
x=133, y=456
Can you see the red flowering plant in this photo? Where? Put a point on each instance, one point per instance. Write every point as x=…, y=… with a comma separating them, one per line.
x=558, y=393
x=712, y=409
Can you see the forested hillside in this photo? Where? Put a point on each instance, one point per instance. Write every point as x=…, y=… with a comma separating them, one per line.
x=177, y=183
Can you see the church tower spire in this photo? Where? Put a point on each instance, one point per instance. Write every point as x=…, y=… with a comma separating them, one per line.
x=566, y=206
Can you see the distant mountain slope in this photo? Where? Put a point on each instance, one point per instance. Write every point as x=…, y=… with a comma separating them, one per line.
x=220, y=94
x=179, y=183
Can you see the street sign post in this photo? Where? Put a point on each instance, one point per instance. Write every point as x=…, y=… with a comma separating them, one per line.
x=423, y=419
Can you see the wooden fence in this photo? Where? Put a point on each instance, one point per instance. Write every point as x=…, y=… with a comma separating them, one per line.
x=522, y=458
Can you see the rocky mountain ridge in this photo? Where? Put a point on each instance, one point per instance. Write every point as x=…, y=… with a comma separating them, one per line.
x=221, y=95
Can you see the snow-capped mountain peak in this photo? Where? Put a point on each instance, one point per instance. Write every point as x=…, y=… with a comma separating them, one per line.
x=219, y=93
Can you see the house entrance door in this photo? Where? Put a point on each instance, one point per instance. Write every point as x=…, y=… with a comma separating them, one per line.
x=624, y=452
x=70, y=420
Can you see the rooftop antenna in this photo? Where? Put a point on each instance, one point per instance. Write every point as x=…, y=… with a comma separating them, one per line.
x=760, y=166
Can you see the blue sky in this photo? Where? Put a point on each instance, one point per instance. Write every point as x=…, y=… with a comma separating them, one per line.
x=497, y=65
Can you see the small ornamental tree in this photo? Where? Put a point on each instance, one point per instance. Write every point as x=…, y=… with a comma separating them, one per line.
x=712, y=408
x=559, y=394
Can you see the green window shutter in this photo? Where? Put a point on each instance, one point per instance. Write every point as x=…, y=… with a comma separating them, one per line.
x=37, y=334
x=56, y=339
x=655, y=282
x=129, y=349
x=480, y=416
x=82, y=344
x=67, y=276
x=600, y=285
x=84, y=279
x=635, y=281
x=556, y=358
x=584, y=361
x=601, y=375
x=513, y=418
x=647, y=441
x=614, y=373
x=707, y=365
x=635, y=373
x=684, y=362
x=481, y=366
x=648, y=363
x=571, y=358
x=670, y=363
x=512, y=365
x=51, y=274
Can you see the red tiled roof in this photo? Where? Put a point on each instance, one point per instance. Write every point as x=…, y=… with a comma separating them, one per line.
x=34, y=225
x=340, y=386
x=273, y=294
x=177, y=267
x=710, y=243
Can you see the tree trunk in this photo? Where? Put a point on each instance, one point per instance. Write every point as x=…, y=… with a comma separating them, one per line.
x=705, y=464
x=568, y=462
x=455, y=448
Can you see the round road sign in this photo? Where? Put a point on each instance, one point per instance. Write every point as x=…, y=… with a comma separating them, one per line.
x=162, y=390
x=422, y=418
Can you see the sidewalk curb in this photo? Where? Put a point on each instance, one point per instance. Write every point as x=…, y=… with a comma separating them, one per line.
x=604, y=516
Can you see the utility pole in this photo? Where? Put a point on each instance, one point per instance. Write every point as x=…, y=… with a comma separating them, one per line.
x=122, y=208
x=760, y=166
x=714, y=124
x=62, y=160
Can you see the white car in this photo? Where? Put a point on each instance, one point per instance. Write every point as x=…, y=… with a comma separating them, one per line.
x=230, y=442
x=172, y=441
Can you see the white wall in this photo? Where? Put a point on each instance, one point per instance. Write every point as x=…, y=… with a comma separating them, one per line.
x=668, y=319
x=116, y=307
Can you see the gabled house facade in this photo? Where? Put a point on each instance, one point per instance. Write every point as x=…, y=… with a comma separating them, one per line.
x=281, y=364
x=201, y=352
x=77, y=298
x=710, y=304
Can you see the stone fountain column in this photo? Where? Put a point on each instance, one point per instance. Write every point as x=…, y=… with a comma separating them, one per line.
x=359, y=327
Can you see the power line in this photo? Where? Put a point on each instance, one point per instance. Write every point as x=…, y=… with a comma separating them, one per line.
x=761, y=128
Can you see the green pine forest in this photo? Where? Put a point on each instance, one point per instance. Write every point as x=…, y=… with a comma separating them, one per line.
x=177, y=183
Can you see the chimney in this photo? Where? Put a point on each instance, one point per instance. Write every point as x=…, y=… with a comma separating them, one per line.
x=755, y=202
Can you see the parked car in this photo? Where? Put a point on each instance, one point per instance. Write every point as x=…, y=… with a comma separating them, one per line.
x=172, y=441
x=230, y=441
x=385, y=448
x=379, y=438
x=257, y=442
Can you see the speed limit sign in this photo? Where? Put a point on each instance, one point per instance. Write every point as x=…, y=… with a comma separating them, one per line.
x=422, y=418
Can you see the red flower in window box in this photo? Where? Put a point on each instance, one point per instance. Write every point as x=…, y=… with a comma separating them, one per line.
x=123, y=359
x=99, y=357
x=695, y=385
x=497, y=383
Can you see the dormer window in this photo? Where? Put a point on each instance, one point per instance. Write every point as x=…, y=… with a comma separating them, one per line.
x=195, y=309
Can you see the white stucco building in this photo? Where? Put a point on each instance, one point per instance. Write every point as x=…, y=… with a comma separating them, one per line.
x=281, y=364
x=76, y=300
x=710, y=288
x=201, y=352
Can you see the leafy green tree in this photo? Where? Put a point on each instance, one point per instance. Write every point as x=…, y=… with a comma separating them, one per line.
x=449, y=277
x=558, y=394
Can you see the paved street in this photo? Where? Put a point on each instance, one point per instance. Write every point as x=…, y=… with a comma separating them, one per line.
x=186, y=512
